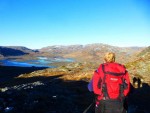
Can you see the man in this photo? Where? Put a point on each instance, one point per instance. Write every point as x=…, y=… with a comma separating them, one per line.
x=111, y=84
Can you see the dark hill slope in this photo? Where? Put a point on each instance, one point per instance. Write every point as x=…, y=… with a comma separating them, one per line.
x=21, y=48
x=9, y=51
x=6, y=51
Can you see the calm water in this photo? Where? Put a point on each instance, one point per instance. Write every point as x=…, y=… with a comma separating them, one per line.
x=40, y=62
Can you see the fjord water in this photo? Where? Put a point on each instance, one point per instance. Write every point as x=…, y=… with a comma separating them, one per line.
x=39, y=62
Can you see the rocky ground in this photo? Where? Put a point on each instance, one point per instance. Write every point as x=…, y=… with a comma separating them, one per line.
x=60, y=90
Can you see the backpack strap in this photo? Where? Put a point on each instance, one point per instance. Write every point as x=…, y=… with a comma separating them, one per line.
x=104, y=85
x=121, y=95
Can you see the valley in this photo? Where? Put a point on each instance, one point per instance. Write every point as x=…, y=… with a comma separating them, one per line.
x=63, y=89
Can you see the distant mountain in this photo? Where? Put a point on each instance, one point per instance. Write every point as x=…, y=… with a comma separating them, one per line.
x=21, y=48
x=92, y=52
x=81, y=53
x=60, y=49
x=14, y=51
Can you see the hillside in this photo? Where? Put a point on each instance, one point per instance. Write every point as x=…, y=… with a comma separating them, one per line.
x=140, y=67
x=92, y=52
x=60, y=90
x=17, y=53
x=64, y=89
x=6, y=51
x=144, y=52
x=81, y=53
x=22, y=48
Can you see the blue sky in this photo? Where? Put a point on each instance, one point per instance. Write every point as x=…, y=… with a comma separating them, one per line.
x=40, y=23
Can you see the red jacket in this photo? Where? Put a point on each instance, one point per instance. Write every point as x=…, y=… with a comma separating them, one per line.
x=111, y=67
